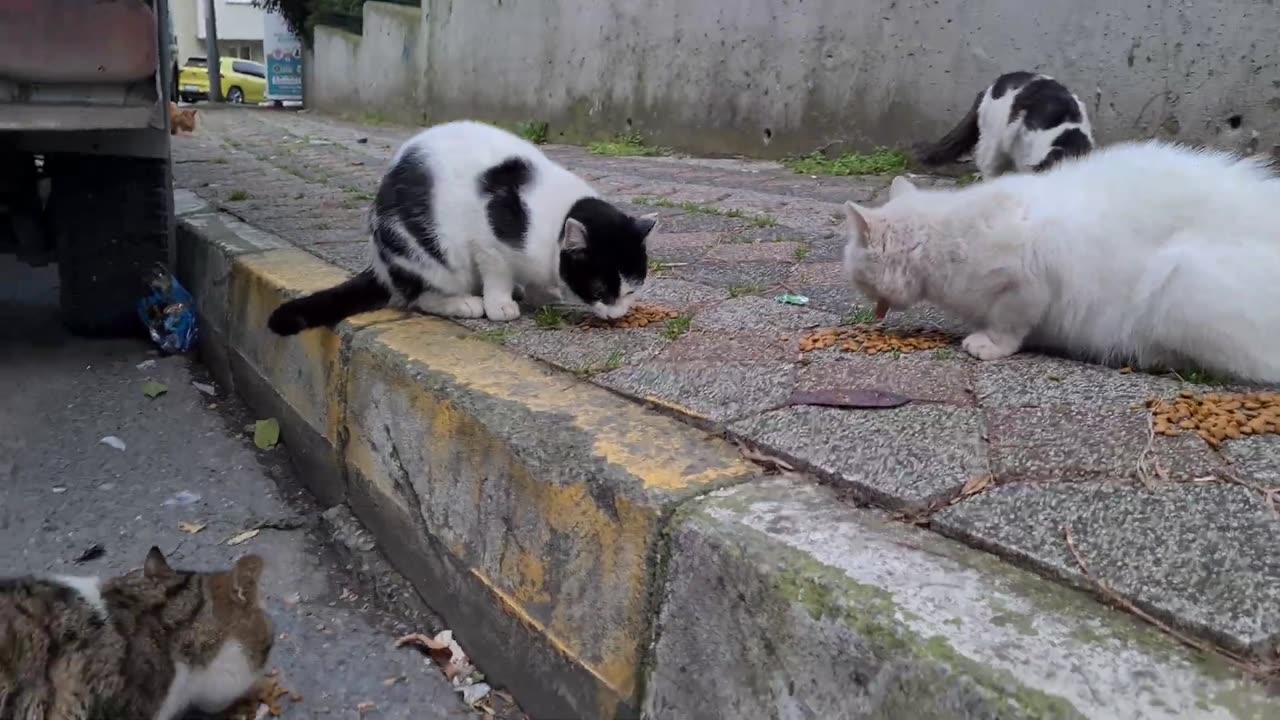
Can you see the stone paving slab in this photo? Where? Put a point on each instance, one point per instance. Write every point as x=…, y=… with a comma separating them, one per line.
x=1043, y=427
x=786, y=603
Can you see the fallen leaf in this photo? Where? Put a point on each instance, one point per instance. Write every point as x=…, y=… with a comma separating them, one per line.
x=424, y=641
x=244, y=537
x=851, y=398
x=153, y=389
x=93, y=552
x=392, y=681
x=266, y=433
x=146, y=364
x=206, y=389
x=365, y=707
x=114, y=442
x=977, y=484
x=776, y=464
x=191, y=528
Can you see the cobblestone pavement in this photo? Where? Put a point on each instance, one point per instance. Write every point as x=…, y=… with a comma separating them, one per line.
x=1192, y=539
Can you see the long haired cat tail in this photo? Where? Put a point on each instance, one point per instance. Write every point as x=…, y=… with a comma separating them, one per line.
x=962, y=139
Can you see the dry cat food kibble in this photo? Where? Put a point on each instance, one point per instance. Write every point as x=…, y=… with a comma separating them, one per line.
x=872, y=340
x=1217, y=417
x=269, y=698
x=640, y=316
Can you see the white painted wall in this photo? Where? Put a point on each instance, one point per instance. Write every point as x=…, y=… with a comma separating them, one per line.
x=240, y=27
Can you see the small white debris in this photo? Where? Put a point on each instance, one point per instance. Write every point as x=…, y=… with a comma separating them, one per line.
x=205, y=388
x=243, y=537
x=182, y=498
x=146, y=364
x=113, y=441
x=58, y=490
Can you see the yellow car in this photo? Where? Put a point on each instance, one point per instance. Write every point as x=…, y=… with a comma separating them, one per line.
x=243, y=81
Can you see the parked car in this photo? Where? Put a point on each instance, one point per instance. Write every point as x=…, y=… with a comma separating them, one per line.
x=243, y=81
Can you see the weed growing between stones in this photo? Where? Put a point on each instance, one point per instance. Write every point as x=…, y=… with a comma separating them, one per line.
x=879, y=162
x=627, y=145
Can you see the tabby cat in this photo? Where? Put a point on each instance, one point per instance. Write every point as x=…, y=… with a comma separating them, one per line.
x=144, y=646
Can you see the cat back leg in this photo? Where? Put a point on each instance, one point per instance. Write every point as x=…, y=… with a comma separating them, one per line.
x=987, y=157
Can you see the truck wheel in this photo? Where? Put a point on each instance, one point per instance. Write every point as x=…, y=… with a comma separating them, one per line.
x=235, y=95
x=111, y=222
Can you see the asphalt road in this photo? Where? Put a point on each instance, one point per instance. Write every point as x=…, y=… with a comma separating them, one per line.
x=187, y=458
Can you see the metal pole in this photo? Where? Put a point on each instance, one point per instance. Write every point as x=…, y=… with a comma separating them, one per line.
x=211, y=51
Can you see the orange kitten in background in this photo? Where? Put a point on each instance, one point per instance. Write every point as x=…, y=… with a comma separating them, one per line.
x=183, y=119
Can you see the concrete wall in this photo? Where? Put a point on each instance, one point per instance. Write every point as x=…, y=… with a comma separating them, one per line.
x=381, y=72
x=771, y=77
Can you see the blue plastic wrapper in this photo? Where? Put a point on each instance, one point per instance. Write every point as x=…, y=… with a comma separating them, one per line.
x=168, y=311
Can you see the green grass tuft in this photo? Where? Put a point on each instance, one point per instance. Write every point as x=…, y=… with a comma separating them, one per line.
x=534, y=131
x=238, y=195
x=861, y=316
x=627, y=145
x=880, y=162
x=677, y=326
x=548, y=317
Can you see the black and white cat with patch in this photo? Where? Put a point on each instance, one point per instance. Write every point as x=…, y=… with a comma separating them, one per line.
x=1023, y=122
x=467, y=215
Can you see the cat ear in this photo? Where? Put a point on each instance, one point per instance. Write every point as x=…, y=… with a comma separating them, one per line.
x=244, y=578
x=574, y=236
x=859, y=231
x=900, y=186
x=645, y=224
x=156, y=565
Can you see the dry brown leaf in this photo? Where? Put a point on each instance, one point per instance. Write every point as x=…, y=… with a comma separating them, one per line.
x=423, y=641
x=977, y=484
x=365, y=708
x=191, y=528
x=243, y=537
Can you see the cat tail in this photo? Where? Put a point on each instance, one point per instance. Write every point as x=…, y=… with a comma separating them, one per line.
x=962, y=139
x=361, y=292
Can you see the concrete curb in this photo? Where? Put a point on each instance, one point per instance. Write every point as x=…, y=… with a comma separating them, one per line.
x=597, y=556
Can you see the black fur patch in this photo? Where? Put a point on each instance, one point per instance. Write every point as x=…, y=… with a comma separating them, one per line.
x=615, y=250
x=507, y=212
x=1010, y=81
x=405, y=194
x=1069, y=143
x=960, y=140
x=1046, y=104
x=409, y=284
x=360, y=293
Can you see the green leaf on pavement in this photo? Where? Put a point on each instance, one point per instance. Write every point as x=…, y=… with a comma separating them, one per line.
x=266, y=433
x=153, y=389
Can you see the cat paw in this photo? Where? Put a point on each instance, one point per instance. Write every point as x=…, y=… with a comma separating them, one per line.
x=464, y=307
x=501, y=310
x=981, y=346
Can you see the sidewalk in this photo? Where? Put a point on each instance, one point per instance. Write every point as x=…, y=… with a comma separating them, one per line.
x=1190, y=540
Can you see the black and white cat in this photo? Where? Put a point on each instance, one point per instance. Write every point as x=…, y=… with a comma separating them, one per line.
x=467, y=214
x=1023, y=122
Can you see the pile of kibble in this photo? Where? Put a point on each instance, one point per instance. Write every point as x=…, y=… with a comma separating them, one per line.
x=872, y=340
x=1217, y=417
x=640, y=316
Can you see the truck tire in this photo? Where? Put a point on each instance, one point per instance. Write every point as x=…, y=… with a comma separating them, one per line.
x=111, y=224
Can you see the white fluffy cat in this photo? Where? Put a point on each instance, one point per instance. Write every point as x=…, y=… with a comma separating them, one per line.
x=1144, y=253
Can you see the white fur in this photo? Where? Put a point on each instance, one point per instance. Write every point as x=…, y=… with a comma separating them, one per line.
x=90, y=588
x=1005, y=145
x=212, y=688
x=1147, y=253
x=483, y=271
